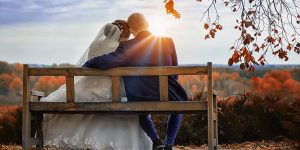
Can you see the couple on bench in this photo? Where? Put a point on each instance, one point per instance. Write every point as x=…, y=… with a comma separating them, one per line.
x=113, y=48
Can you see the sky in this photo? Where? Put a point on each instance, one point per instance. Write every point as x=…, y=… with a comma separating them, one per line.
x=59, y=31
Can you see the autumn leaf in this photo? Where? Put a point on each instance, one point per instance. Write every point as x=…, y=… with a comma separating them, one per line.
x=170, y=8
x=252, y=68
x=206, y=26
x=289, y=47
x=206, y=36
x=256, y=48
x=230, y=62
x=261, y=57
x=242, y=66
x=248, y=57
x=219, y=27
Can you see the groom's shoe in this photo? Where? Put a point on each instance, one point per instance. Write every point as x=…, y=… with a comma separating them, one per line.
x=168, y=147
x=158, y=144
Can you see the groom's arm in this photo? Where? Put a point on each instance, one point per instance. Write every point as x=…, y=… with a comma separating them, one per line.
x=174, y=54
x=111, y=60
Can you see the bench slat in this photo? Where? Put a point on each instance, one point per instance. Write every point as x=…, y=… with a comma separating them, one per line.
x=123, y=71
x=118, y=107
x=116, y=92
x=70, y=89
x=163, y=88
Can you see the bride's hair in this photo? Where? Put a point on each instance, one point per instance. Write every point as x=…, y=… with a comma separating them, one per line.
x=124, y=27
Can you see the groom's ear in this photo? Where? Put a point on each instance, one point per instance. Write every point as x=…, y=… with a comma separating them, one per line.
x=130, y=30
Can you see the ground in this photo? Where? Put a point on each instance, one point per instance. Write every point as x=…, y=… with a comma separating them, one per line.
x=258, y=145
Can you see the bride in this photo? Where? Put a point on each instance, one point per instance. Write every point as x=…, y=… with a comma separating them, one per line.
x=94, y=131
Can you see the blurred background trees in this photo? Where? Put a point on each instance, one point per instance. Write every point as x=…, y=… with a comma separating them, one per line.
x=264, y=104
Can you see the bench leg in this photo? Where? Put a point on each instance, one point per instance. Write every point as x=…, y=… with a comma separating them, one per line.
x=213, y=125
x=40, y=131
x=36, y=130
x=26, y=127
x=215, y=115
x=26, y=114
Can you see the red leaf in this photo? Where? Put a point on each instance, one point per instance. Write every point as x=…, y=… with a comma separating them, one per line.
x=242, y=66
x=206, y=26
x=289, y=47
x=252, y=68
x=230, y=62
x=219, y=27
x=261, y=57
x=206, y=36
x=248, y=57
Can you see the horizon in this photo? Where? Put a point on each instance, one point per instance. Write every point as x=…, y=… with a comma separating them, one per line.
x=59, y=32
x=234, y=66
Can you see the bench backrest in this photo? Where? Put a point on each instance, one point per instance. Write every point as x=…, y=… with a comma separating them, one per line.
x=36, y=109
x=116, y=74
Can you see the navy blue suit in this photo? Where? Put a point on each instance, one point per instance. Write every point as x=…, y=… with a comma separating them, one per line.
x=146, y=50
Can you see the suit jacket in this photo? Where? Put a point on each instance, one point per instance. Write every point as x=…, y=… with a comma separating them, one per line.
x=144, y=50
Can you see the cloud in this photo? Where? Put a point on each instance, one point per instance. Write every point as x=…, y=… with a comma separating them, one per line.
x=20, y=11
x=26, y=11
x=59, y=31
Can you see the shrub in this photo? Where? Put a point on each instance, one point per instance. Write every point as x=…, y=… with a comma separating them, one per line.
x=11, y=126
x=247, y=117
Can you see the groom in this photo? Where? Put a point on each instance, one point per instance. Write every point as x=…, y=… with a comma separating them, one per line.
x=146, y=50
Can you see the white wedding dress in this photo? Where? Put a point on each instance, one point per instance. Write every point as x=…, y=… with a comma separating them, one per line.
x=94, y=131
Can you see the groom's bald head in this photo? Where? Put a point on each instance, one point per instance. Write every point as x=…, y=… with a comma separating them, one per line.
x=137, y=23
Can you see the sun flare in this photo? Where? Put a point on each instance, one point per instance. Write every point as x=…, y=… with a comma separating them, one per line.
x=158, y=26
x=157, y=29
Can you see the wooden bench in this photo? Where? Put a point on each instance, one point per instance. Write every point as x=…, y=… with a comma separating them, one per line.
x=33, y=110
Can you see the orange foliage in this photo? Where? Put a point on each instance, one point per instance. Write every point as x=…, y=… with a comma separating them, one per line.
x=10, y=82
x=18, y=68
x=16, y=84
x=196, y=83
x=5, y=78
x=5, y=109
x=278, y=83
x=49, y=83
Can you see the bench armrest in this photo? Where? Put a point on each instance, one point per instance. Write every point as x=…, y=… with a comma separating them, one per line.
x=215, y=92
x=36, y=95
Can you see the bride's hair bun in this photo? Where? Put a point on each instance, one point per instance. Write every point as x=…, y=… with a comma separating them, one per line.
x=123, y=26
x=108, y=30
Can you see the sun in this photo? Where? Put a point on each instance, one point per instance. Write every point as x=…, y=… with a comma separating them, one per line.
x=159, y=25
x=158, y=29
